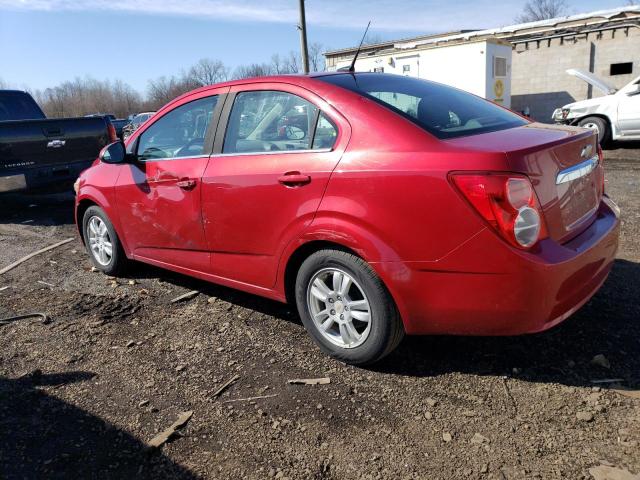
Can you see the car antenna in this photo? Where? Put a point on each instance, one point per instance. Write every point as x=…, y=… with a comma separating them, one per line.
x=352, y=67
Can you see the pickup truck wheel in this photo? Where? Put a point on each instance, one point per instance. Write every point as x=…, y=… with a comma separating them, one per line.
x=346, y=309
x=598, y=125
x=102, y=242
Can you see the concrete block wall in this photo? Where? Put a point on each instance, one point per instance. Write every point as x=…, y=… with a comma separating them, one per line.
x=539, y=80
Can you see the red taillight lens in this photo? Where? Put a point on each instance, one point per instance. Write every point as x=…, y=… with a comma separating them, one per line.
x=113, y=136
x=507, y=202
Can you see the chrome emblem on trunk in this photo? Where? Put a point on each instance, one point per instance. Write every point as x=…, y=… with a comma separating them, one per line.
x=577, y=171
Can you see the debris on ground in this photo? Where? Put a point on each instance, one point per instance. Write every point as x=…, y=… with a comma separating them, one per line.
x=250, y=399
x=164, y=436
x=225, y=385
x=31, y=255
x=584, y=416
x=607, y=380
x=310, y=381
x=627, y=392
x=185, y=296
x=606, y=472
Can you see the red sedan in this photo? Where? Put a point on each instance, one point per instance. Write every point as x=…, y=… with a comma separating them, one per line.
x=380, y=205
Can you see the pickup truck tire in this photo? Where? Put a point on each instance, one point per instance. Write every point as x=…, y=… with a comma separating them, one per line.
x=599, y=125
x=102, y=242
x=346, y=308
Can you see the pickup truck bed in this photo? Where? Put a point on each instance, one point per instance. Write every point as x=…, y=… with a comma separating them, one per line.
x=39, y=153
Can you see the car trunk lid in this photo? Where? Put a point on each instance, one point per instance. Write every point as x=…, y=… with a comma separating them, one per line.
x=562, y=163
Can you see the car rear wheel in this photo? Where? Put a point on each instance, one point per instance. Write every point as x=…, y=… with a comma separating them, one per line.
x=102, y=242
x=346, y=309
x=598, y=125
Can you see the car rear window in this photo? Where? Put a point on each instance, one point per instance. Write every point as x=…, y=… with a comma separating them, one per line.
x=18, y=106
x=443, y=111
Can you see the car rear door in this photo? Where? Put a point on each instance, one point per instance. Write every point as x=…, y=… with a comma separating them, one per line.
x=276, y=147
x=158, y=195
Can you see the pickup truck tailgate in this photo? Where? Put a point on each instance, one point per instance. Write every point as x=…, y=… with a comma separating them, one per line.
x=49, y=142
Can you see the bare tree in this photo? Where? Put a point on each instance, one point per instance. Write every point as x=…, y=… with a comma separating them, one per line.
x=535, y=10
x=207, y=72
x=632, y=3
x=292, y=62
x=253, y=70
x=164, y=89
x=83, y=96
x=316, y=59
x=371, y=39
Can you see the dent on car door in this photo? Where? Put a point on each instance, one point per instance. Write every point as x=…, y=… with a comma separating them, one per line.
x=265, y=183
x=159, y=194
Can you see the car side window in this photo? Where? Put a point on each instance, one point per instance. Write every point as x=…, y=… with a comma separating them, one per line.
x=179, y=133
x=326, y=133
x=267, y=121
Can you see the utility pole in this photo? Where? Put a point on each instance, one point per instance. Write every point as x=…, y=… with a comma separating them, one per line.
x=303, y=39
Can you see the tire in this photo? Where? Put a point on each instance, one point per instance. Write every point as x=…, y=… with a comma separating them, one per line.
x=358, y=285
x=114, y=263
x=599, y=125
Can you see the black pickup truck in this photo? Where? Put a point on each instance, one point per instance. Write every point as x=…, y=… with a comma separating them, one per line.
x=41, y=153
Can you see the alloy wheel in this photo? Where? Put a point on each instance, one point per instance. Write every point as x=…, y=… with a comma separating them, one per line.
x=100, y=242
x=339, y=307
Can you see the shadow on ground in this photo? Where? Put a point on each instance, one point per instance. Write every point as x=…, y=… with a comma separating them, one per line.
x=44, y=437
x=37, y=209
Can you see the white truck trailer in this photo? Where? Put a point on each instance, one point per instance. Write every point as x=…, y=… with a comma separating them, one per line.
x=479, y=67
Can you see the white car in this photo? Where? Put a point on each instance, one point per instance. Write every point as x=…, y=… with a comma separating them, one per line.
x=615, y=116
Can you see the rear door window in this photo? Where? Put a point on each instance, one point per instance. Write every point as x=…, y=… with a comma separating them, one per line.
x=271, y=121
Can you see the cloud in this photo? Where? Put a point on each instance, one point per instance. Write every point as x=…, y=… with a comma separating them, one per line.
x=408, y=15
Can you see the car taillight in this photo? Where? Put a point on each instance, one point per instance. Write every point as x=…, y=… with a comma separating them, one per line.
x=507, y=202
x=113, y=137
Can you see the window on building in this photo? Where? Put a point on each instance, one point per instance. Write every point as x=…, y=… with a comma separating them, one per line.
x=406, y=68
x=378, y=69
x=621, y=68
x=499, y=67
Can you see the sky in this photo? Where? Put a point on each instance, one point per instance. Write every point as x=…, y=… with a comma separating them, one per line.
x=45, y=42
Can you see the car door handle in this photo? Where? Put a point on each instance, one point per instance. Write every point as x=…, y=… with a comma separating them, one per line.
x=186, y=183
x=294, y=179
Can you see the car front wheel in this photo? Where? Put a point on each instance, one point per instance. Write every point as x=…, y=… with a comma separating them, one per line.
x=599, y=126
x=346, y=309
x=102, y=242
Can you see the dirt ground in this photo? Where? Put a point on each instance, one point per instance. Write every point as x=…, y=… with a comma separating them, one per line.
x=80, y=397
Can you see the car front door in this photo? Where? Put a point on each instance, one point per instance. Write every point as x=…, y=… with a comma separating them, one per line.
x=276, y=146
x=158, y=194
x=629, y=111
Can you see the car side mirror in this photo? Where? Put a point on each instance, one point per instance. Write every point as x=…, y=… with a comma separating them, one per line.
x=114, y=153
x=635, y=90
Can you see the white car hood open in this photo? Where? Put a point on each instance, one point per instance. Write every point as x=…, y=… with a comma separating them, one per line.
x=602, y=85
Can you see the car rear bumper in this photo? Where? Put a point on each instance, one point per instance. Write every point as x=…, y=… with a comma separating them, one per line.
x=44, y=177
x=486, y=287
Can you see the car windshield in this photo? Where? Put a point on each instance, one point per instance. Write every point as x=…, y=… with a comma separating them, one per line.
x=443, y=111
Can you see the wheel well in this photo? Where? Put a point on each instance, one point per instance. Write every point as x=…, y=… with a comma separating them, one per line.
x=602, y=117
x=299, y=256
x=82, y=207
